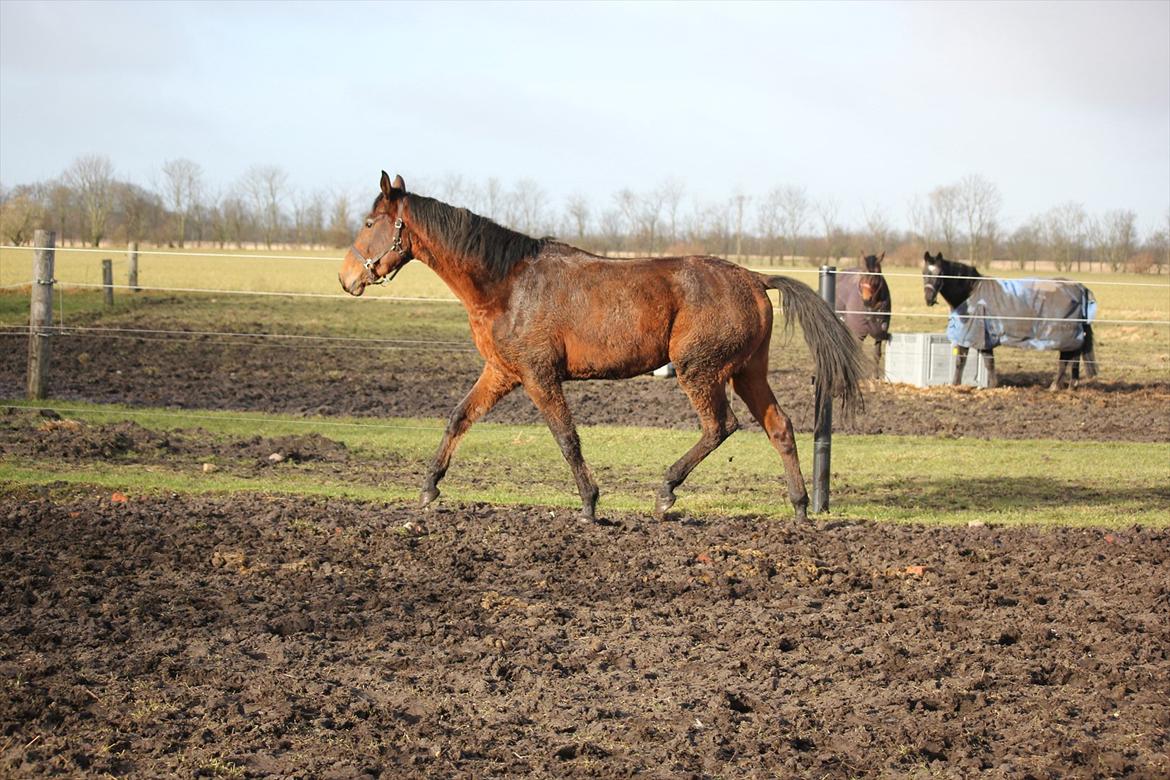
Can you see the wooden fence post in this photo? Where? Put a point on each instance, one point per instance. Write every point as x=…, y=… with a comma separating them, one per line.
x=108, y=282
x=133, y=253
x=40, y=315
x=823, y=406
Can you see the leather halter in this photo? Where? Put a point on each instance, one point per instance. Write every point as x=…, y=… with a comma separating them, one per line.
x=395, y=246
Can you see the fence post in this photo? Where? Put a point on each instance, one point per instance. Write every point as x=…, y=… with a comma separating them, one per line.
x=40, y=314
x=108, y=282
x=133, y=253
x=823, y=429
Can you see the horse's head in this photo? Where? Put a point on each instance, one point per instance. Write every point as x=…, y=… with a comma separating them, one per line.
x=870, y=283
x=932, y=276
x=381, y=247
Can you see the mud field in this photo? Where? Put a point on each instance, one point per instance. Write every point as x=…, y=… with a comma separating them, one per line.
x=334, y=379
x=248, y=636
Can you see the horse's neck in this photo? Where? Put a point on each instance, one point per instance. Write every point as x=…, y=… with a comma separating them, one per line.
x=956, y=290
x=466, y=277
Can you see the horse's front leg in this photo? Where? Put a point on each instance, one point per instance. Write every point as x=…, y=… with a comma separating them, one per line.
x=989, y=364
x=493, y=384
x=960, y=363
x=549, y=399
x=878, y=374
x=1062, y=369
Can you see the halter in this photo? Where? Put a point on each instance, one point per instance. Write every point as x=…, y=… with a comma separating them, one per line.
x=936, y=283
x=395, y=246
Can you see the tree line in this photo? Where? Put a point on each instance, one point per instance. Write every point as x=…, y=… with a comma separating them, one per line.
x=88, y=204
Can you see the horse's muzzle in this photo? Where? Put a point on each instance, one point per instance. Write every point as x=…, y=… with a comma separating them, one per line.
x=355, y=288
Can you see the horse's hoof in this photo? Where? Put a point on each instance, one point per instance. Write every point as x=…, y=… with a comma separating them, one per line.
x=663, y=505
x=428, y=495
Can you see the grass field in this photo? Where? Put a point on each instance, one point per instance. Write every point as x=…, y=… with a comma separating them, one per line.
x=919, y=479
x=1138, y=352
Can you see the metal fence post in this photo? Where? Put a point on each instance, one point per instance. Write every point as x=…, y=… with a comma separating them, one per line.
x=133, y=257
x=823, y=430
x=108, y=282
x=40, y=314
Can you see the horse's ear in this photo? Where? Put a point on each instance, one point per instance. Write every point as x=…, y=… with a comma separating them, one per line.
x=881, y=257
x=399, y=184
x=926, y=257
x=385, y=184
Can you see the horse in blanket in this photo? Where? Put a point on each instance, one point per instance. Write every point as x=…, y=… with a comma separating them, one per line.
x=1026, y=313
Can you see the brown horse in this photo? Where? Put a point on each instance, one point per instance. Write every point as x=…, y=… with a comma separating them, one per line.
x=543, y=312
x=863, y=303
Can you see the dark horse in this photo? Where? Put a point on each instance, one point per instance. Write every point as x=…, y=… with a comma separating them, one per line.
x=863, y=303
x=542, y=312
x=1030, y=313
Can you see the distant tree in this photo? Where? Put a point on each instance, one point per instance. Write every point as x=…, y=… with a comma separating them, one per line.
x=577, y=209
x=1064, y=233
x=979, y=203
x=21, y=213
x=768, y=220
x=794, y=211
x=494, y=200
x=341, y=227
x=831, y=232
x=945, y=210
x=140, y=210
x=921, y=218
x=92, y=179
x=528, y=207
x=182, y=184
x=672, y=191
x=739, y=202
x=309, y=218
x=878, y=229
x=1120, y=237
x=264, y=186
x=1026, y=243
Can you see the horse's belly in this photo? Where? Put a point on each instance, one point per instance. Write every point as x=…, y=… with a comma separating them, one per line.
x=614, y=353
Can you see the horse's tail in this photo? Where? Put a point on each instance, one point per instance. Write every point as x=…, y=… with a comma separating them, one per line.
x=1088, y=356
x=836, y=352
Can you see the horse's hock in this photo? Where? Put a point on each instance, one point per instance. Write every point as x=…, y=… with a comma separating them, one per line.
x=926, y=359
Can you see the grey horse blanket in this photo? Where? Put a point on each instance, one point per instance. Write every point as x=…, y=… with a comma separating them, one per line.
x=1027, y=313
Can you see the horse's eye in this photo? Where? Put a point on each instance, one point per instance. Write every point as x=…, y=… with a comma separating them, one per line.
x=369, y=223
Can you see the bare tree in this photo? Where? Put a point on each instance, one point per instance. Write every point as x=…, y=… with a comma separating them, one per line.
x=577, y=207
x=979, y=202
x=528, y=207
x=827, y=211
x=20, y=215
x=921, y=218
x=309, y=218
x=672, y=191
x=264, y=186
x=794, y=209
x=768, y=221
x=140, y=210
x=1120, y=237
x=739, y=202
x=181, y=189
x=878, y=229
x=1025, y=244
x=341, y=227
x=944, y=209
x=92, y=179
x=1064, y=233
x=494, y=199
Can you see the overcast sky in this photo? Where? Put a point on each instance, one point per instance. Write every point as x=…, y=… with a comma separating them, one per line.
x=865, y=103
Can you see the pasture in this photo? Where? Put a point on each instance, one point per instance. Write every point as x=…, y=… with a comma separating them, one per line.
x=987, y=594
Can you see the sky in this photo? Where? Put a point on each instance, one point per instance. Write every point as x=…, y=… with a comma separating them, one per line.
x=868, y=104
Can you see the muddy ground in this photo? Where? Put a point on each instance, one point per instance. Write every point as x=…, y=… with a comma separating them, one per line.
x=333, y=379
x=251, y=636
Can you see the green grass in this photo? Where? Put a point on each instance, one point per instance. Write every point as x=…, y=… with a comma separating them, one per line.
x=888, y=478
x=1126, y=352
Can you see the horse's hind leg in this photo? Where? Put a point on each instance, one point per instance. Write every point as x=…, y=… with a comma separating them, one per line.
x=1062, y=369
x=491, y=386
x=708, y=395
x=550, y=400
x=751, y=384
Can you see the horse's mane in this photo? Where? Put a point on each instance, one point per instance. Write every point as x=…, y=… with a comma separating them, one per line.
x=955, y=268
x=466, y=233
